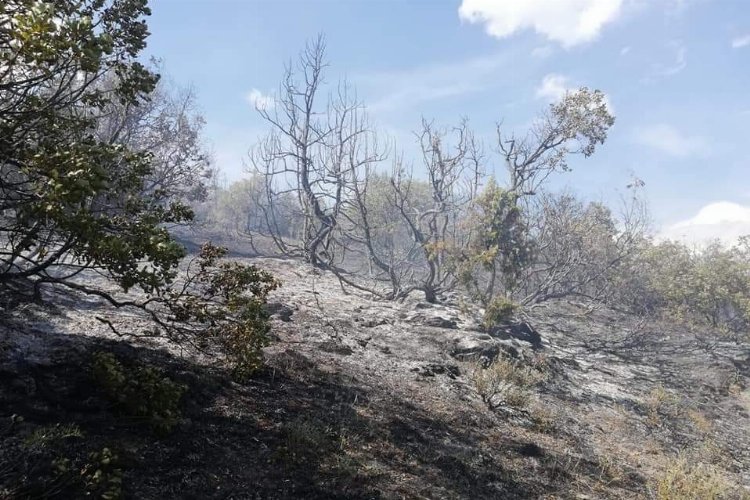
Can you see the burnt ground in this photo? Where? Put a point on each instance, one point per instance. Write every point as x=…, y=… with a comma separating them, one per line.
x=369, y=399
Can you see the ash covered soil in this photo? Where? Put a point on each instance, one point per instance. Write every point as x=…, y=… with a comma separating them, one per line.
x=371, y=399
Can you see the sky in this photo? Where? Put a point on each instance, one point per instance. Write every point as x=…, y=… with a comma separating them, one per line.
x=676, y=74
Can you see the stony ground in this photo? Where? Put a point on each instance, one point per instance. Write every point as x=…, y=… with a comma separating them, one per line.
x=373, y=399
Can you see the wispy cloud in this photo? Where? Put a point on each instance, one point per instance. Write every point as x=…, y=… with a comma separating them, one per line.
x=389, y=90
x=741, y=41
x=677, y=64
x=668, y=140
x=259, y=100
x=568, y=22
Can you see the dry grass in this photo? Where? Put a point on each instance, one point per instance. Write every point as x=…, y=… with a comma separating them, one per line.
x=504, y=382
x=543, y=417
x=699, y=422
x=659, y=403
x=683, y=479
x=46, y=435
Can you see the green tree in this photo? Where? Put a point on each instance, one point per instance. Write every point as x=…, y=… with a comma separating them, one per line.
x=68, y=200
x=710, y=284
x=72, y=200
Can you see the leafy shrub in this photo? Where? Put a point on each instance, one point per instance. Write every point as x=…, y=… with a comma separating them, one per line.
x=140, y=391
x=709, y=285
x=499, y=248
x=500, y=310
x=98, y=477
x=226, y=304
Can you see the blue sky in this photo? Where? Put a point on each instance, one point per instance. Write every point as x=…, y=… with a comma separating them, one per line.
x=677, y=74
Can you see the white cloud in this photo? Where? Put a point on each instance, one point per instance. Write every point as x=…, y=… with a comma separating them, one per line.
x=722, y=220
x=259, y=100
x=741, y=41
x=625, y=50
x=669, y=140
x=553, y=87
x=568, y=22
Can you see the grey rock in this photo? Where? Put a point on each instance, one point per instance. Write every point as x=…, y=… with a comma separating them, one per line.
x=281, y=311
x=433, y=321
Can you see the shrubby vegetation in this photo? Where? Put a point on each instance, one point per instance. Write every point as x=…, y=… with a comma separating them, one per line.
x=710, y=285
x=142, y=392
x=98, y=158
x=505, y=381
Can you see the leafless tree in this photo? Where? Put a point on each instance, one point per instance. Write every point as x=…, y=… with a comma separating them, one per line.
x=395, y=234
x=579, y=249
x=169, y=127
x=453, y=173
x=314, y=153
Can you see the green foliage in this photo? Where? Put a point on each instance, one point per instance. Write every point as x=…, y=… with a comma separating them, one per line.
x=75, y=196
x=99, y=477
x=709, y=285
x=582, y=116
x=500, y=310
x=67, y=195
x=226, y=305
x=142, y=391
x=499, y=248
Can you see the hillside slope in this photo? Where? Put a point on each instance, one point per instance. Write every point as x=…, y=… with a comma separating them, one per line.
x=372, y=399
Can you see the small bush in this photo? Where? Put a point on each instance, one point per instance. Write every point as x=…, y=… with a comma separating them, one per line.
x=500, y=310
x=227, y=305
x=504, y=382
x=140, y=391
x=708, y=286
x=98, y=477
x=661, y=402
